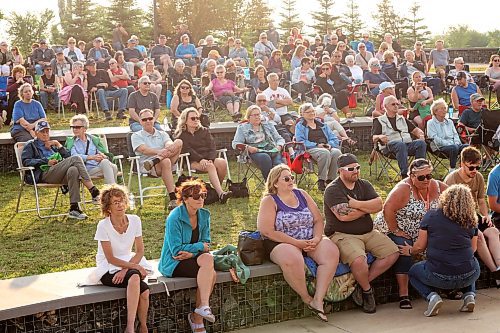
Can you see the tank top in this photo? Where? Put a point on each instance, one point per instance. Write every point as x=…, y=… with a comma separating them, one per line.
x=184, y=105
x=296, y=222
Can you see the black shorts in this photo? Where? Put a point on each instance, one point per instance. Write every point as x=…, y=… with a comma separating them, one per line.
x=269, y=245
x=187, y=268
x=107, y=280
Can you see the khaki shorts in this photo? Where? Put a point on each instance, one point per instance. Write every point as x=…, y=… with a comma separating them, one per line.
x=354, y=246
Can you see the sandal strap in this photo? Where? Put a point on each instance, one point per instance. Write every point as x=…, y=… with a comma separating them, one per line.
x=195, y=326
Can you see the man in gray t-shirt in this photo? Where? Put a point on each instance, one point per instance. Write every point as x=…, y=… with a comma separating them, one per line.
x=440, y=58
x=140, y=100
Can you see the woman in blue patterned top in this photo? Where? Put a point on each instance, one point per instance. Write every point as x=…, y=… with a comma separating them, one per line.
x=292, y=224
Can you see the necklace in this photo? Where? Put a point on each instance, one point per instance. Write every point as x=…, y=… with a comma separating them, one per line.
x=426, y=201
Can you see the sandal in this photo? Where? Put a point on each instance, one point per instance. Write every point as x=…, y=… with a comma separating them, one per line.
x=405, y=303
x=318, y=313
x=206, y=313
x=234, y=276
x=194, y=326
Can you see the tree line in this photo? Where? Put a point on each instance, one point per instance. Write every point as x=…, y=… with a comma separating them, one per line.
x=85, y=19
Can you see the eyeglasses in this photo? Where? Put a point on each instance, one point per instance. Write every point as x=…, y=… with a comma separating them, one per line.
x=351, y=169
x=255, y=115
x=194, y=118
x=308, y=112
x=324, y=69
x=496, y=60
x=147, y=119
x=288, y=178
x=197, y=196
x=185, y=87
x=76, y=127
x=473, y=167
x=460, y=63
x=146, y=83
x=421, y=178
x=118, y=202
x=219, y=72
x=362, y=47
x=394, y=104
x=262, y=100
x=47, y=69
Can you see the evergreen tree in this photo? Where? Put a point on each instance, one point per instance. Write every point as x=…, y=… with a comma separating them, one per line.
x=386, y=20
x=80, y=21
x=323, y=18
x=289, y=17
x=129, y=15
x=414, y=28
x=257, y=18
x=352, y=23
x=167, y=17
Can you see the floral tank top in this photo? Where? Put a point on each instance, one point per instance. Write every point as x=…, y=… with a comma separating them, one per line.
x=296, y=222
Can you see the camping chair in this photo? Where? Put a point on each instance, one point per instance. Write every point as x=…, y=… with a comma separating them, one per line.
x=301, y=164
x=490, y=121
x=184, y=160
x=382, y=163
x=246, y=167
x=18, y=148
x=4, y=96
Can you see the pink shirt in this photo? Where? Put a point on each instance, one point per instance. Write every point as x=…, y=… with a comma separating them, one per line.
x=219, y=89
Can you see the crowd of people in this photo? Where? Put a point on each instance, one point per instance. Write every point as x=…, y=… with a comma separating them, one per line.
x=420, y=213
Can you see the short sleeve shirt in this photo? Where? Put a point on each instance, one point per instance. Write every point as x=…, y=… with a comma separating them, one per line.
x=279, y=93
x=476, y=185
x=157, y=140
x=470, y=118
x=138, y=102
x=494, y=183
x=439, y=58
x=336, y=193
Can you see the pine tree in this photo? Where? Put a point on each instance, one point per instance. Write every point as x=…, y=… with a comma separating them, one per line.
x=289, y=17
x=257, y=18
x=81, y=21
x=352, y=23
x=129, y=15
x=414, y=28
x=323, y=18
x=387, y=21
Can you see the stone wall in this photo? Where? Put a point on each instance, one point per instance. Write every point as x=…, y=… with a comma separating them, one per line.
x=474, y=55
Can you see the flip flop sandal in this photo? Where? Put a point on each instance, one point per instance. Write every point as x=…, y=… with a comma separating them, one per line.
x=405, y=303
x=234, y=276
x=318, y=313
x=194, y=326
x=206, y=313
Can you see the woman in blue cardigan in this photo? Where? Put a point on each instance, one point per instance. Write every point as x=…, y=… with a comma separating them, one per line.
x=320, y=142
x=186, y=246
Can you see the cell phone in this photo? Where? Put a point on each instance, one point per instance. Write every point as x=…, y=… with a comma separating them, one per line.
x=152, y=280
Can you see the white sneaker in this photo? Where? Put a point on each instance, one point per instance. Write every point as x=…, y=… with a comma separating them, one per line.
x=434, y=305
x=469, y=304
x=74, y=214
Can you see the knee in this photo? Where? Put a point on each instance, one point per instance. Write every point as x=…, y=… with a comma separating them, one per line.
x=134, y=280
x=359, y=262
x=145, y=295
x=291, y=261
x=165, y=164
x=76, y=159
x=491, y=233
x=72, y=172
x=206, y=260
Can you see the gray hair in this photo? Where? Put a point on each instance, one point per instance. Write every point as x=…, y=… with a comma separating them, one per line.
x=260, y=95
x=389, y=99
x=80, y=117
x=179, y=62
x=78, y=64
x=220, y=67
x=373, y=61
x=23, y=86
x=272, y=75
x=349, y=58
x=305, y=106
x=459, y=59
x=143, y=78
x=436, y=104
x=410, y=52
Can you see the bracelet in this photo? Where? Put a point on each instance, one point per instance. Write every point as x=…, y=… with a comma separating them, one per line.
x=395, y=231
x=409, y=251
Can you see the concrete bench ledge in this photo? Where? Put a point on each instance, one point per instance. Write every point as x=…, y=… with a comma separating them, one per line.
x=38, y=293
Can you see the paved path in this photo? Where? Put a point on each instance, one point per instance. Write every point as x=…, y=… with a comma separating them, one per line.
x=390, y=319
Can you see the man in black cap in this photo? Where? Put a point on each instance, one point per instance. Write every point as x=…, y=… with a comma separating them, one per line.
x=162, y=54
x=42, y=56
x=54, y=165
x=348, y=203
x=61, y=64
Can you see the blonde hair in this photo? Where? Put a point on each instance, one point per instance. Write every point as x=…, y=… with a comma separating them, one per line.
x=458, y=205
x=251, y=108
x=273, y=178
x=436, y=104
x=299, y=49
x=107, y=194
x=181, y=122
x=383, y=45
x=387, y=55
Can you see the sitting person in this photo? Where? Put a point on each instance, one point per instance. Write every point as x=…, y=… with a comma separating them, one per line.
x=142, y=99
x=184, y=97
x=460, y=67
x=275, y=63
x=263, y=49
x=292, y=225
x=348, y=203
x=493, y=193
x=116, y=264
x=157, y=153
x=260, y=139
x=133, y=57
x=72, y=51
x=374, y=77
x=280, y=99
x=449, y=234
x=49, y=86
x=162, y=54
x=493, y=73
x=155, y=78
x=214, y=55
x=488, y=245
x=209, y=46
x=225, y=92
x=74, y=89
x=95, y=155
x=302, y=78
x=60, y=168
x=199, y=143
x=420, y=97
x=100, y=54
x=328, y=115
x=461, y=93
x=410, y=65
x=330, y=81
x=442, y=132
x=356, y=71
x=403, y=211
x=187, y=53
x=186, y=248
x=298, y=55
x=178, y=73
x=320, y=142
x=27, y=112
x=14, y=82
x=385, y=89
x=270, y=115
x=119, y=76
x=363, y=56
x=239, y=54
x=258, y=82
x=389, y=68
x=471, y=117
x=393, y=134
x=61, y=64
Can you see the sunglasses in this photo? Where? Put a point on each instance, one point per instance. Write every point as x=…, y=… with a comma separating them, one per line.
x=185, y=87
x=351, y=169
x=421, y=178
x=262, y=100
x=288, y=178
x=146, y=83
x=197, y=196
x=76, y=127
x=147, y=119
x=496, y=60
x=394, y=104
x=194, y=118
x=474, y=167
x=219, y=72
x=361, y=47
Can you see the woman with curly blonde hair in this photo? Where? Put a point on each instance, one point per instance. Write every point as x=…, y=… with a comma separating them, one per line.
x=449, y=234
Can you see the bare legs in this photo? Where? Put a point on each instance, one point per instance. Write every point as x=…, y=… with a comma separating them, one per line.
x=137, y=304
x=206, y=281
x=488, y=248
x=216, y=172
x=365, y=274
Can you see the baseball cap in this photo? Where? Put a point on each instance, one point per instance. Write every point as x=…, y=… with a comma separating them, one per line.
x=59, y=50
x=385, y=85
x=90, y=62
x=476, y=97
x=346, y=159
x=41, y=125
x=461, y=75
x=42, y=41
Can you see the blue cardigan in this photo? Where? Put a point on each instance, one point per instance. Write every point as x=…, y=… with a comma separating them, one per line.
x=302, y=134
x=178, y=233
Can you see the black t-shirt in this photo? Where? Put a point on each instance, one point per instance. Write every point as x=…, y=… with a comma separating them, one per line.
x=449, y=249
x=72, y=55
x=101, y=76
x=195, y=236
x=336, y=193
x=317, y=135
x=48, y=82
x=377, y=127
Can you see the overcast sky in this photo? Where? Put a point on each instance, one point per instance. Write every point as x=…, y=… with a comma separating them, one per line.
x=439, y=14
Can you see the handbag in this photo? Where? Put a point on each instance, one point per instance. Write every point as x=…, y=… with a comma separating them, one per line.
x=227, y=260
x=212, y=195
x=240, y=190
x=251, y=248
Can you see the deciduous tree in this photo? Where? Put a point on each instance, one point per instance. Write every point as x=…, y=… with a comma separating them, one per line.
x=324, y=19
x=26, y=28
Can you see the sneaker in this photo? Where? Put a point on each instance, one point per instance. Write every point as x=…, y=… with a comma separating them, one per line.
x=172, y=204
x=108, y=116
x=469, y=304
x=96, y=200
x=150, y=163
x=321, y=185
x=434, y=305
x=75, y=214
x=357, y=295
x=120, y=115
x=297, y=100
x=369, y=305
x=225, y=196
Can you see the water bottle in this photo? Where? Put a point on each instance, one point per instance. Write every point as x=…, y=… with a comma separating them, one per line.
x=166, y=127
x=450, y=111
x=131, y=201
x=168, y=98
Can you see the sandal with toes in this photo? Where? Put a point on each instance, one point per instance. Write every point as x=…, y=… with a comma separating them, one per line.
x=206, y=313
x=196, y=328
x=318, y=313
x=405, y=303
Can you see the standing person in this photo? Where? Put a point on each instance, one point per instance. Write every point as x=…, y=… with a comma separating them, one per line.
x=348, y=203
x=493, y=72
x=186, y=248
x=292, y=225
x=91, y=149
x=119, y=35
x=117, y=265
x=439, y=57
x=449, y=234
x=273, y=35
